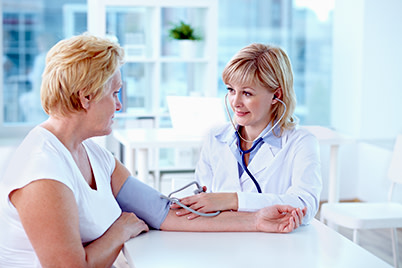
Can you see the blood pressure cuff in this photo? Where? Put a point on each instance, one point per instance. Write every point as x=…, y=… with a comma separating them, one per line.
x=144, y=201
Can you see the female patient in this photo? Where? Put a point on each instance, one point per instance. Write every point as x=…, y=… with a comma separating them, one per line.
x=62, y=195
x=265, y=159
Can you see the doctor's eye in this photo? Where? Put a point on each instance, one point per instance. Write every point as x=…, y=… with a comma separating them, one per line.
x=247, y=94
x=230, y=90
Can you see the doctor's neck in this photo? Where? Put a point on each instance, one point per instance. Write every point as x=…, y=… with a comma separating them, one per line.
x=249, y=134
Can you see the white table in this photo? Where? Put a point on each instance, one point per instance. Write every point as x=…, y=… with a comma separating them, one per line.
x=140, y=141
x=333, y=139
x=310, y=246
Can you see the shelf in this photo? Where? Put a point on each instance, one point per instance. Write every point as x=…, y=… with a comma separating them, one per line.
x=180, y=59
x=154, y=67
x=166, y=60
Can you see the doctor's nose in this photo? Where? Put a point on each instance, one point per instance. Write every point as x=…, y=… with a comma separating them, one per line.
x=236, y=100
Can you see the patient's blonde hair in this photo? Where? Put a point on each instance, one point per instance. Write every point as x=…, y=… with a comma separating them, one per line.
x=83, y=63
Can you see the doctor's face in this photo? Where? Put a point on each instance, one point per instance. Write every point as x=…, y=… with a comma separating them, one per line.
x=251, y=105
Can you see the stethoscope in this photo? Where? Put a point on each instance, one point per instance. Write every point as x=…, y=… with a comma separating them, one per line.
x=196, y=191
x=242, y=152
x=255, y=142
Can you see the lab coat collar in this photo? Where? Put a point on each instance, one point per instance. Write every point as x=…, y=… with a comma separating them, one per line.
x=228, y=135
x=270, y=138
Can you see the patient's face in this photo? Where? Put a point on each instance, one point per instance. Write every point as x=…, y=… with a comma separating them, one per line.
x=102, y=111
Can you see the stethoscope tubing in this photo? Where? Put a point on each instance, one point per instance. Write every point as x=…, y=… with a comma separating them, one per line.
x=255, y=142
x=243, y=157
x=177, y=201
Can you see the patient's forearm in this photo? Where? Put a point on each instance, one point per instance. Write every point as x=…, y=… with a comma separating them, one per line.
x=273, y=219
x=224, y=222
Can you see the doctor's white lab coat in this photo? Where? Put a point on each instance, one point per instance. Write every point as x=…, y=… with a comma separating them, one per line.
x=287, y=168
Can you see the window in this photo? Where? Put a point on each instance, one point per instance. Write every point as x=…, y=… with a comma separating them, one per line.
x=303, y=28
x=31, y=27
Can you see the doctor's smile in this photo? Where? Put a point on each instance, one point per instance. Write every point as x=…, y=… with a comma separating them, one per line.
x=241, y=114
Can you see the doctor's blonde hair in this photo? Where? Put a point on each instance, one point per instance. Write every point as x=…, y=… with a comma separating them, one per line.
x=267, y=66
x=81, y=64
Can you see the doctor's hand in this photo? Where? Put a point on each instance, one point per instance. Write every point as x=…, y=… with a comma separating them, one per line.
x=279, y=218
x=207, y=203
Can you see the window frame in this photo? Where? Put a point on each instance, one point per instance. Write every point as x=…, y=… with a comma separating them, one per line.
x=20, y=129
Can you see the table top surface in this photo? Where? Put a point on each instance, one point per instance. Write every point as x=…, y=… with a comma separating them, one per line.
x=159, y=137
x=315, y=245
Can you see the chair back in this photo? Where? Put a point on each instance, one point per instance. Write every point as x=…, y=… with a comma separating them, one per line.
x=395, y=168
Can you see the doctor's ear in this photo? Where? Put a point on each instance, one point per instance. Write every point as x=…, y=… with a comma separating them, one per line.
x=277, y=95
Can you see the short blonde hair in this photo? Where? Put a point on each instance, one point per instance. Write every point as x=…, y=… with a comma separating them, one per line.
x=81, y=63
x=267, y=66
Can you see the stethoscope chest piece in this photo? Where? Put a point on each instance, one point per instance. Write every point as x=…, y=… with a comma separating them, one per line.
x=196, y=191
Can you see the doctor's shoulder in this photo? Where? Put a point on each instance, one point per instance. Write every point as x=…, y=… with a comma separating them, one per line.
x=219, y=130
x=219, y=133
x=299, y=133
x=304, y=137
x=222, y=132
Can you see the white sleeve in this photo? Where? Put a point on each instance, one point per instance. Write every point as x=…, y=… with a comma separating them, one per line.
x=105, y=160
x=203, y=170
x=305, y=182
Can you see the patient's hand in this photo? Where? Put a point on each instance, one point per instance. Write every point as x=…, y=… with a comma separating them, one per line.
x=279, y=218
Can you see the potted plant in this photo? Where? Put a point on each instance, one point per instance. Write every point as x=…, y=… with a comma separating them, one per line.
x=184, y=33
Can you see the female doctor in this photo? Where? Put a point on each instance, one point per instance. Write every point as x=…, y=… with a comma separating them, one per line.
x=265, y=158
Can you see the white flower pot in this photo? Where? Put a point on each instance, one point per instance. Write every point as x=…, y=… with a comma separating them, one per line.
x=188, y=48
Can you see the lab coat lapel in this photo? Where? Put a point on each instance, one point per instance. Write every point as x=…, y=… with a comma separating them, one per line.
x=261, y=162
x=227, y=173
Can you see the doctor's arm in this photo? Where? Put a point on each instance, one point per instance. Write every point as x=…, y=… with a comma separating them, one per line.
x=304, y=190
x=204, y=173
x=207, y=202
x=305, y=187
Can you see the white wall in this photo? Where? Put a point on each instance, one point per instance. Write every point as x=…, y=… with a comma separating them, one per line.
x=373, y=181
x=366, y=90
x=7, y=148
x=367, y=64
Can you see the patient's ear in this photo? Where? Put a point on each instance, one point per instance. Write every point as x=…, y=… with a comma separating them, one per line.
x=84, y=99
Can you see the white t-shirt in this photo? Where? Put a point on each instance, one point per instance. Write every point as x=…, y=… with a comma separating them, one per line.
x=42, y=156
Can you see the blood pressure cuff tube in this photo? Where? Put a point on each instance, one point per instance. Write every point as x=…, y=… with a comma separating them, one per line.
x=144, y=201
